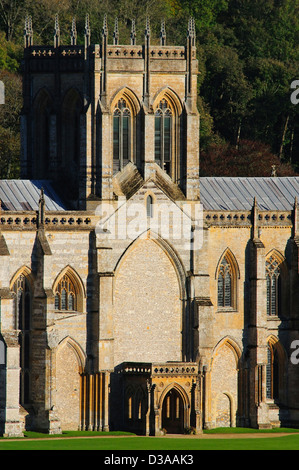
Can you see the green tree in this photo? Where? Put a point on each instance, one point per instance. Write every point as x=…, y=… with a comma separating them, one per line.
x=10, y=125
x=10, y=54
x=226, y=90
x=251, y=158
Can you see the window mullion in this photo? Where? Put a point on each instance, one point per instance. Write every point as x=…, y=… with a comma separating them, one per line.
x=120, y=133
x=162, y=140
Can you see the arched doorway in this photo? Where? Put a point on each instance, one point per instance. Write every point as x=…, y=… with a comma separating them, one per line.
x=173, y=412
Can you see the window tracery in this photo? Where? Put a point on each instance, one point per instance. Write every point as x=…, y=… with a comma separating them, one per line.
x=122, y=139
x=225, y=284
x=22, y=292
x=273, y=285
x=164, y=135
x=65, y=295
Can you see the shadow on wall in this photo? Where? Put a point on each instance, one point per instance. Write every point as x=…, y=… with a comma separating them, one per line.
x=2, y=384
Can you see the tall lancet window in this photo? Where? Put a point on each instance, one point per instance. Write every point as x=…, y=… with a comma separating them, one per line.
x=22, y=292
x=122, y=127
x=225, y=284
x=163, y=135
x=66, y=295
x=273, y=285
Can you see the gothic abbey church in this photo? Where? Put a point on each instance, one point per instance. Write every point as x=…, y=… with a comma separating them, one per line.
x=109, y=324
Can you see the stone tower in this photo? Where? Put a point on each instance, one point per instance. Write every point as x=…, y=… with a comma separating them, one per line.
x=91, y=109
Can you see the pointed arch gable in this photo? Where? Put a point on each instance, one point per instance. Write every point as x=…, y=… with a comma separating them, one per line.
x=80, y=292
x=71, y=94
x=167, y=249
x=232, y=345
x=126, y=93
x=25, y=271
x=280, y=258
x=77, y=350
x=233, y=261
x=167, y=92
x=42, y=96
x=273, y=341
x=70, y=271
x=276, y=253
x=227, y=275
x=181, y=391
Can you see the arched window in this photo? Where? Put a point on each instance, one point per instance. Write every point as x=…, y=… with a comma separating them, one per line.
x=164, y=135
x=21, y=288
x=65, y=294
x=227, y=275
x=225, y=283
x=273, y=280
x=149, y=206
x=122, y=139
x=272, y=372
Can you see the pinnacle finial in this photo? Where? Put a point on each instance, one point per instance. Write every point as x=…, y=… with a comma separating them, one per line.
x=105, y=26
x=191, y=30
x=41, y=211
x=133, y=34
x=255, y=219
x=28, y=31
x=147, y=27
x=115, y=32
x=74, y=32
x=274, y=172
x=163, y=34
x=87, y=31
x=56, y=31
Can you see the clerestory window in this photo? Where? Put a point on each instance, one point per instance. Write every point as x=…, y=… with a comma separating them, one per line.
x=273, y=280
x=65, y=295
x=163, y=135
x=122, y=141
x=22, y=292
x=225, y=284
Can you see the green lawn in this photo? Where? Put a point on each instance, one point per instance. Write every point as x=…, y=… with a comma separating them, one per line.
x=132, y=442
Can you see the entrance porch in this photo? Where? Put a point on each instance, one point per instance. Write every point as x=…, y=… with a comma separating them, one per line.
x=154, y=398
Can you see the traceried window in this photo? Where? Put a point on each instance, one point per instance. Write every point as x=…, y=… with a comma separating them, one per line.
x=163, y=135
x=122, y=140
x=225, y=284
x=22, y=292
x=65, y=295
x=273, y=280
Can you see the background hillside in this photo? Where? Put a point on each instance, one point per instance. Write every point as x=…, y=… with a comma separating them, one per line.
x=248, y=54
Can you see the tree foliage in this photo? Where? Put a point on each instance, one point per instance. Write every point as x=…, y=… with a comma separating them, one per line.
x=9, y=125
